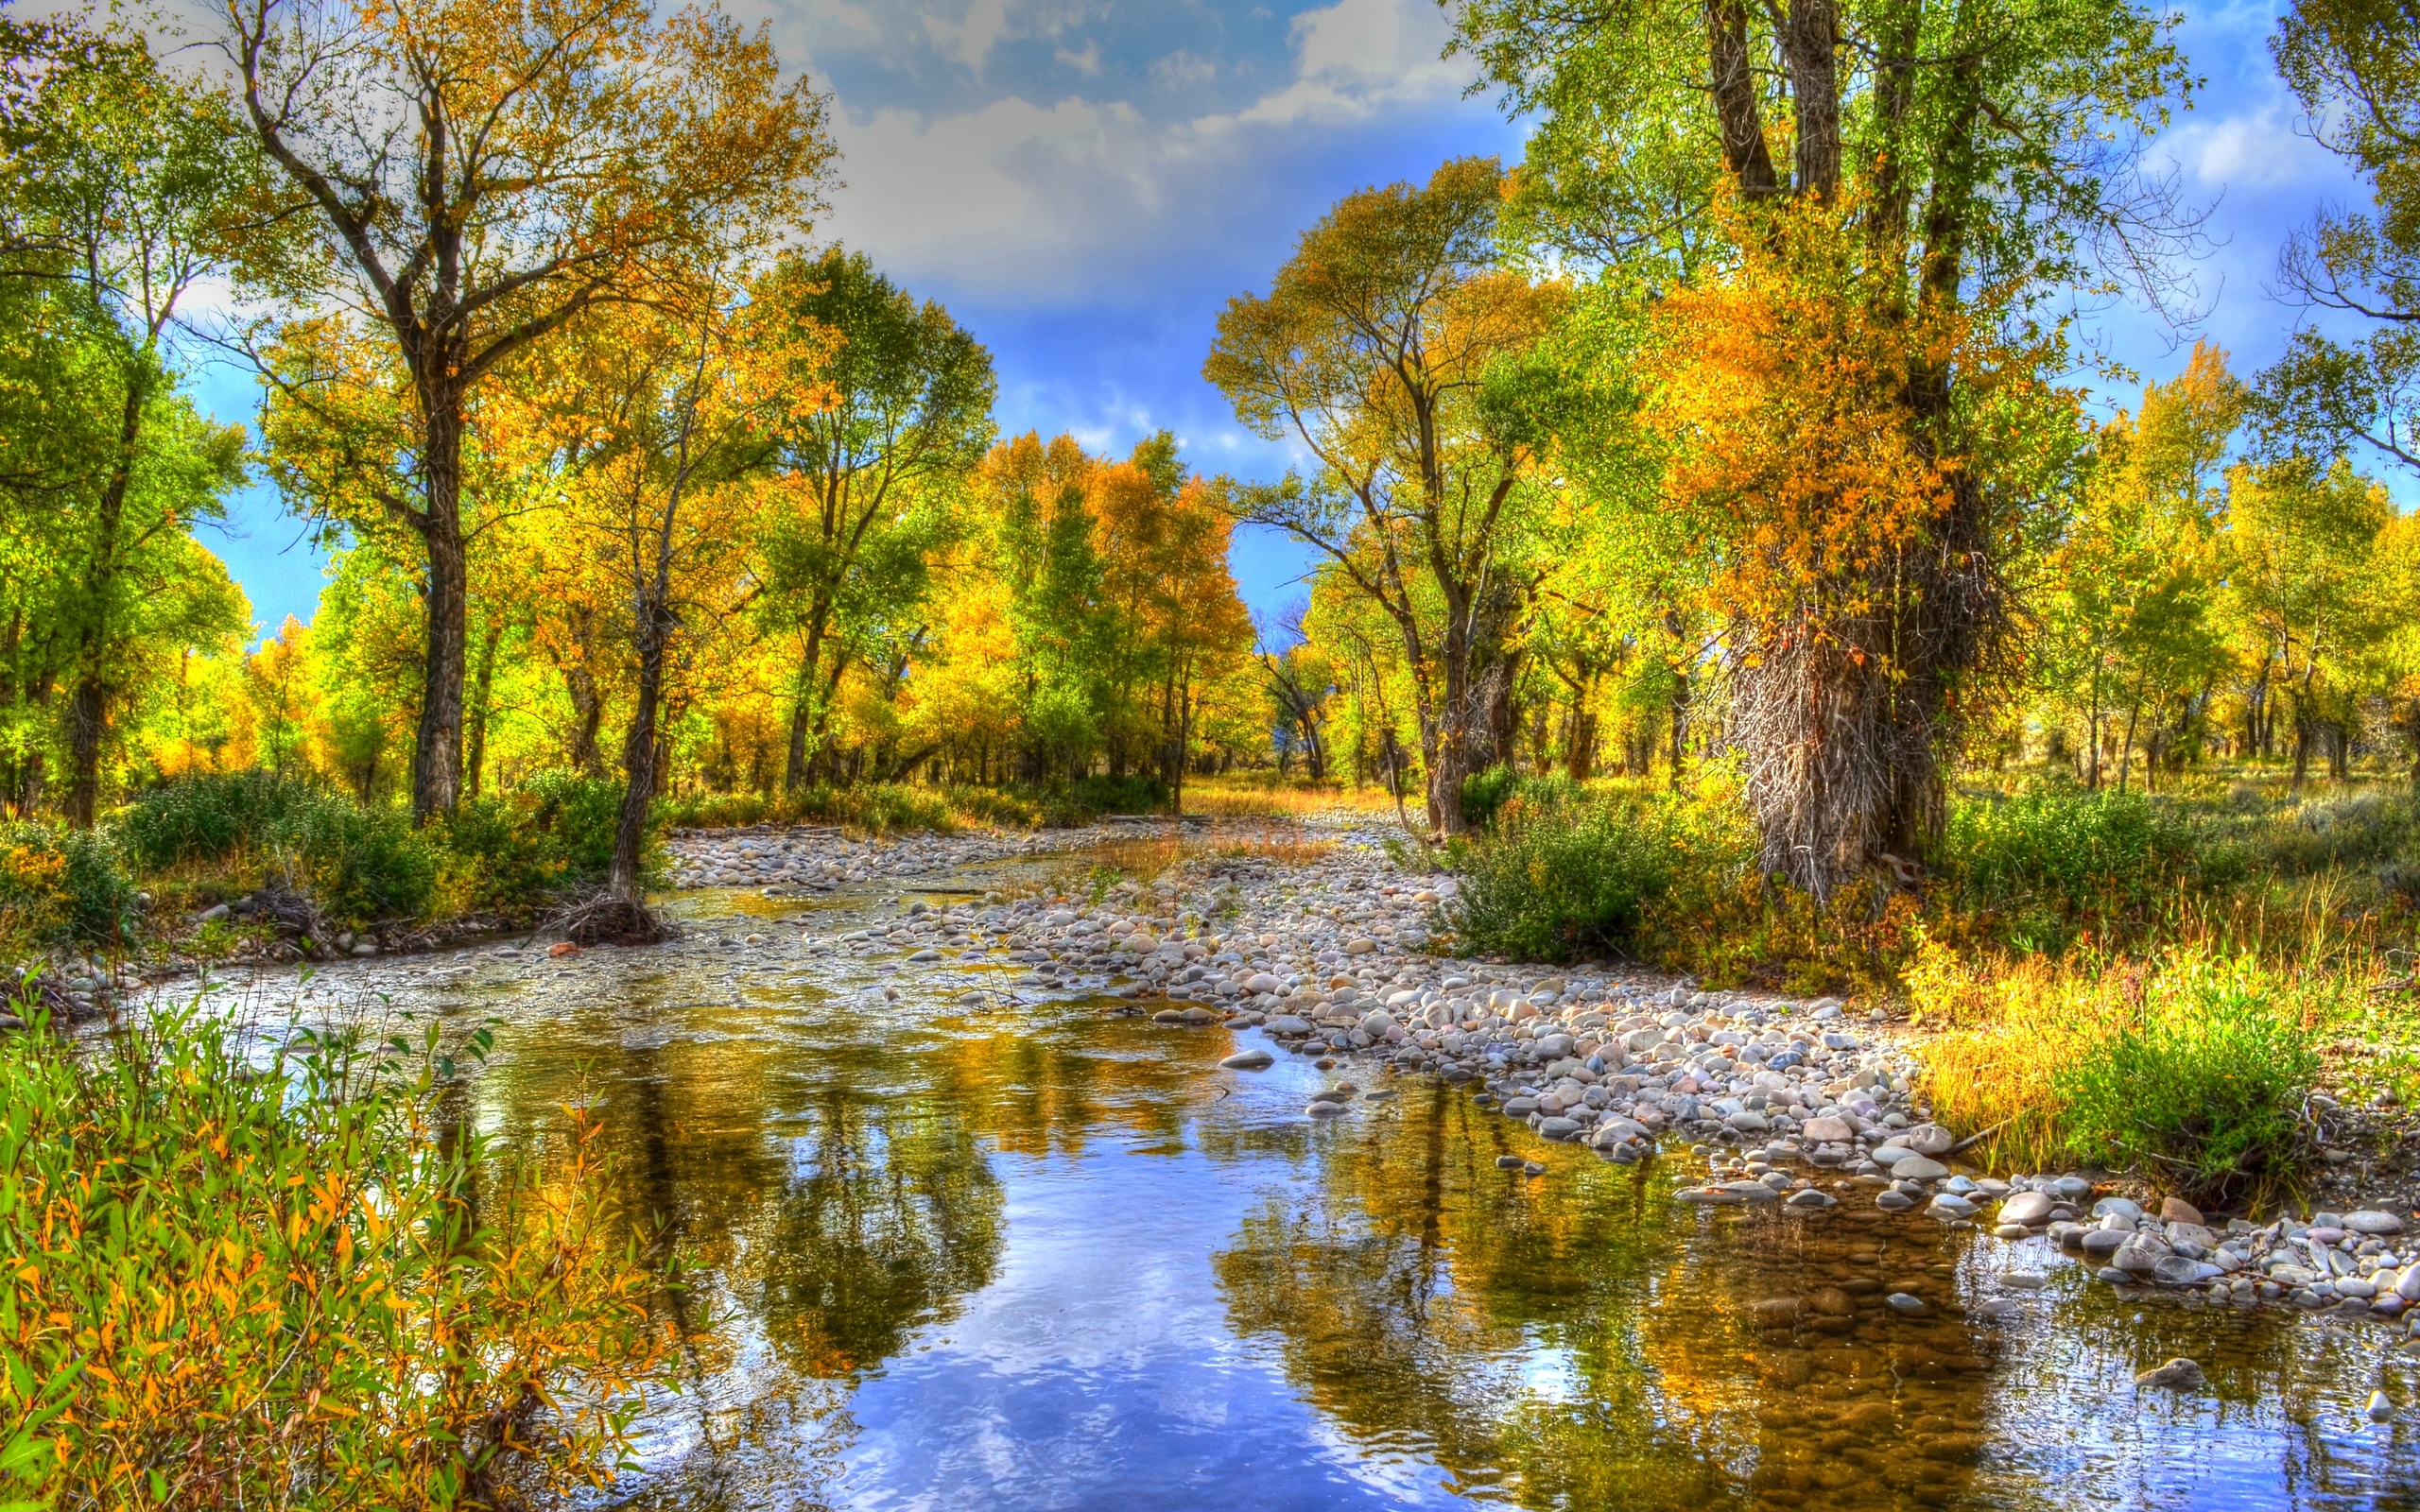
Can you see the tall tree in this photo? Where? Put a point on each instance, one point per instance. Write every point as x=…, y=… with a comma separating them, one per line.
x=1892, y=185
x=480, y=174
x=1390, y=345
x=2355, y=66
x=911, y=417
x=128, y=191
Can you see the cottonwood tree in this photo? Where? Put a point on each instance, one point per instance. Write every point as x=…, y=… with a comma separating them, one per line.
x=1391, y=347
x=911, y=417
x=477, y=175
x=2355, y=67
x=654, y=415
x=125, y=194
x=1874, y=201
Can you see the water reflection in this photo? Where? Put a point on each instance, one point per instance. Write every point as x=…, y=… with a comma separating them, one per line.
x=1042, y=1256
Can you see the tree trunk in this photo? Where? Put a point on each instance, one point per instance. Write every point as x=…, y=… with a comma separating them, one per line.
x=638, y=768
x=803, y=712
x=88, y=701
x=437, y=753
x=482, y=685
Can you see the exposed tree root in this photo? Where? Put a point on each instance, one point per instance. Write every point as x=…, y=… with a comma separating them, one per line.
x=610, y=918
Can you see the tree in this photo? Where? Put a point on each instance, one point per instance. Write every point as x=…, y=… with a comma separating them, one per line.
x=1881, y=183
x=911, y=417
x=653, y=415
x=1390, y=345
x=2301, y=567
x=2132, y=609
x=478, y=175
x=2355, y=66
x=125, y=205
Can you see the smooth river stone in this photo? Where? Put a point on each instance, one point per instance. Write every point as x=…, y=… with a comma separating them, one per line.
x=1288, y=1023
x=1919, y=1168
x=1249, y=1060
x=2028, y=1208
x=1827, y=1131
x=2373, y=1222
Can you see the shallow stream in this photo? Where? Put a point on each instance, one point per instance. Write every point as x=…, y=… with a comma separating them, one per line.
x=1041, y=1257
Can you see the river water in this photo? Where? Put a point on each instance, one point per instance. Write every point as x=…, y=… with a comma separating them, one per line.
x=1043, y=1257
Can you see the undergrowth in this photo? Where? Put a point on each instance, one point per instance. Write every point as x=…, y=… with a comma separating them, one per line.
x=299, y=1286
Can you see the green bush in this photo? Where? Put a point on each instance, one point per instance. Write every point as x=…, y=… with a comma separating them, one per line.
x=2053, y=862
x=2203, y=1089
x=582, y=814
x=61, y=887
x=226, y=1288
x=494, y=857
x=358, y=864
x=1135, y=793
x=1486, y=793
x=1559, y=883
x=211, y=816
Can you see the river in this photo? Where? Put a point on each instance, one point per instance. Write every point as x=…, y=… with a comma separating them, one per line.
x=1042, y=1255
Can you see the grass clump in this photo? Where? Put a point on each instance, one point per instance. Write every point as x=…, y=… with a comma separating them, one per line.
x=2192, y=1065
x=299, y=1287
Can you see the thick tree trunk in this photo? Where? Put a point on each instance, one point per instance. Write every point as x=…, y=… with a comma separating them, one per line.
x=88, y=701
x=437, y=753
x=483, y=685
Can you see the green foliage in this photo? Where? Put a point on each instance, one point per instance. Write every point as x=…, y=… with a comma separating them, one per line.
x=2055, y=861
x=1561, y=883
x=363, y=863
x=2203, y=1087
x=1486, y=792
x=212, y=816
x=496, y=858
x=580, y=815
x=359, y=864
x=228, y=1288
x=1136, y=793
x=61, y=886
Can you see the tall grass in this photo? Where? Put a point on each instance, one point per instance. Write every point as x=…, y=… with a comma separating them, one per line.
x=2193, y=1064
x=298, y=1288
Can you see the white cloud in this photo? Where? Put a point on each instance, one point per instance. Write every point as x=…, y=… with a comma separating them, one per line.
x=1051, y=201
x=972, y=36
x=1086, y=62
x=2257, y=150
x=1182, y=67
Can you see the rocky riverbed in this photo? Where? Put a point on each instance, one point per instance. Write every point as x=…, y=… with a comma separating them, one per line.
x=1323, y=941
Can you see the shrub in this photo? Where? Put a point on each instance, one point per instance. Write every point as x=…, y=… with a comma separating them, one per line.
x=1135, y=793
x=2203, y=1087
x=2049, y=864
x=1485, y=793
x=209, y=816
x=495, y=857
x=582, y=814
x=224, y=1288
x=2192, y=1065
x=358, y=864
x=62, y=888
x=1555, y=883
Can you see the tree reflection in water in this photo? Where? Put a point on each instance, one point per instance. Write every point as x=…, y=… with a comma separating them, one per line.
x=829, y=1192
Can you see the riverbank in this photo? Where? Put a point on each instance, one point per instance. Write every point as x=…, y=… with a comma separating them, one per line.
x=1325, y=942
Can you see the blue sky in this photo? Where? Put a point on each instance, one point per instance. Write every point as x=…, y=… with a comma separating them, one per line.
x=1085, y=183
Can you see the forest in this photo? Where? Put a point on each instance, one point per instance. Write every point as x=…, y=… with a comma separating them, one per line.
x=1731, y=551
